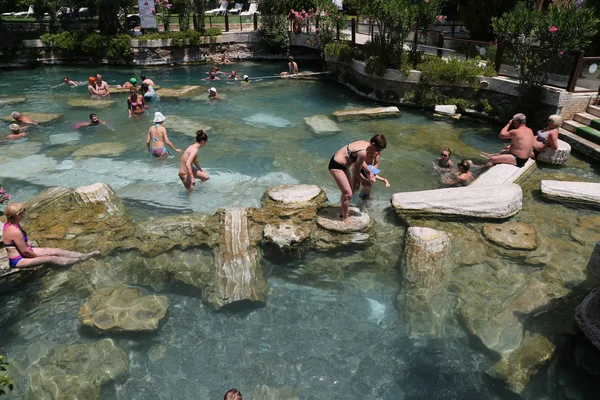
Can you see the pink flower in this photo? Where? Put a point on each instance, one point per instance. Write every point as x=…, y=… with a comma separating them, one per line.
x=553, y=29
x=338, y=17
x=561, y=52
x=426, y=1
x=169, y=6
x=440, y=18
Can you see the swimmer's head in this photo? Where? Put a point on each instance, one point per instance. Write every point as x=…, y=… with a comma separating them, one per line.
x=98, y=77
x=133, y=95
x=14, y=128
x=554, y=121
x=143, y=77
x=94, y=118
x=246, y=78
x=291, y=59
x=520, y=118
x=465, y=164
x=233, y=394
x=16, y=115
x=201, y=136
x=446, y=152
x=133, y=81
x=212, y=91
x=13, y=210
x=92, y=80
x=378, y=142
x=66, y=79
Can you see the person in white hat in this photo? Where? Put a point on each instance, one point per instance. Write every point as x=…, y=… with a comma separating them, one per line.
x=212, y=94
x=246, y=80
x=16, y=133
x=157, y=138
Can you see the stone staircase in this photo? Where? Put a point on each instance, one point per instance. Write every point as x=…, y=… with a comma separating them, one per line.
x=583, y=132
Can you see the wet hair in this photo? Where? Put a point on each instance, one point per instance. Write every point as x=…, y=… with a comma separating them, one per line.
x=97, y=75
x=520, y=118
x=201, y=136
x=15, y=114
x=448, y=149
x=143, y=77
x=12, y=210
x=66, y=78
x=465, y=164
x=92, y=115
x=556, y=120
x=379, y=142
x=134, y=95
x=291, y=59
x=145, y=85
x=232, y=394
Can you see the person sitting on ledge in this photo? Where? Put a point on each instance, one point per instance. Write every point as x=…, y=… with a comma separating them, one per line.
x=292, y=67
x=521, y=143
x=21, y=254
x=547, y=137
x=443, y=162
x=22, y=119
x=221, y=60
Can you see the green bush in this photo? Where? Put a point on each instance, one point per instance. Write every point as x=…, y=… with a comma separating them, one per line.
x=375, y=66
x=274, y=32
x=342, y=50
x=212, y=32
x=409, y=97
x=66, y=41
x=91, y=44
x=485, y=106
x=437, y=70
x=5, y=381
x=461, y=104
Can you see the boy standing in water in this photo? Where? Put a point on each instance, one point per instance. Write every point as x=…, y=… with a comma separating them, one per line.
x=189, y=169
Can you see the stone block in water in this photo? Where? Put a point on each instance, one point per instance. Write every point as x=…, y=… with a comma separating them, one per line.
x=502, y=174
x=329, y=219
x=512, y=235
x=7, y=101
x=287, y=234
x=497, y=202
x=106, y=149
x=587, y=316
x=576, y=192
x=94, y=104
x=366, y=113
x=182, y=93
x=123, y=310
x=100, y=193
x=77, y=371
x=40, y=118
x=321, y=124
x=559, y=156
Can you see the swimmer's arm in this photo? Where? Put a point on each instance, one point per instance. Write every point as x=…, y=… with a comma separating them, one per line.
x=376, y=161
x=379, y=178
x=168, y=142
x=505, y=133
x=107, y=125
x=129, y=107
x=450, y=164
x=188, y=164
x=107, y=88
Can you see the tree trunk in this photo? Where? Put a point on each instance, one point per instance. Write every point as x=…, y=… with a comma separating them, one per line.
x=539, y=4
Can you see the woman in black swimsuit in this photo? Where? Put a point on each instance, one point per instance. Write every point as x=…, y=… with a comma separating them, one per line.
x=353, y=153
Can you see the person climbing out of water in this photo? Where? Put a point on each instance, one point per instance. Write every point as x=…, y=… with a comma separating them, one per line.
x=157, y=138
x=355, y=154
x=521, y=143
x=233, y=394
x=463, y=177
x=547, y=137
x=147, y=80
x=189, y=169
x=17, y=116
x=94, y=121
x=16, y=133
x=443, y=162
x=92, y=86
x=292, y=67
x=20, y=252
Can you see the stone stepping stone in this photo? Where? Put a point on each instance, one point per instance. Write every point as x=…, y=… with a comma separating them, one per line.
x=100, y=193
x=123, y=310
x=503, y=174
x=186, y=126
x=321, y=124
x=77, y=371
x=329, y=219
x=237, y=261
x=287, y=234
x=91, y=103
x=182, y=93
x=576, y=192
x=40, y=118
x=106, y=149
x=512, y=235
x=294, y=196
x=366, y=113
x=496, y=202
x=127, y=90
x=8, y=101
x=587, y=315
x=559, y=156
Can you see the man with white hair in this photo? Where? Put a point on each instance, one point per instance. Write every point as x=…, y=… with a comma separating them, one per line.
x=18, y=117
x=521, y=143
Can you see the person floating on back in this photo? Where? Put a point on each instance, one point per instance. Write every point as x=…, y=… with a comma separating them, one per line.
x=521, y=143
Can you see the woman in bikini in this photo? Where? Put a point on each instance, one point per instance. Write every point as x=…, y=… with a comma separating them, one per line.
x=189, y=169
x=157, y=138
x=21, y=254
x=463, y=177
x=547, y=137
x=135, y=105
x=354, y=153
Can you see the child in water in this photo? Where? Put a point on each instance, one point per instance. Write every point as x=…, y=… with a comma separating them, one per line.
x=16, y=133
x=375, y=171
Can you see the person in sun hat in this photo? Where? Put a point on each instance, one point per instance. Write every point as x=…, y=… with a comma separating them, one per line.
x=16, y=133
x=157, y=138
x=212, y=94
x=18, y=117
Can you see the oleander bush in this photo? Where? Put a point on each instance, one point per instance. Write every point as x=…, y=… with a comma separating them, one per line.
x=341, y=50
x=437, y=70
x=90, y=44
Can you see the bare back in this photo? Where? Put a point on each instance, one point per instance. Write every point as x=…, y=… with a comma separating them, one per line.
x=521, y=141
x=187, y=158
x=157, y=136
x=350, y=153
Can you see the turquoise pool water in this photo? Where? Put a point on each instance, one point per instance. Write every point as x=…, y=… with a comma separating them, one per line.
x=330, y=328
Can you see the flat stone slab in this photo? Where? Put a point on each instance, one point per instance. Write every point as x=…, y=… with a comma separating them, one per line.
x=40, y=118
x=7, y=101
x=587, y=315
x=287, y=234
x=445, y=109
x=321, y=124
x=577, y=192
x=294, y=194
x=181, y=93
x=186, y=126
x=329, y=218
x=100, y=193
x=78, y=371
x=106, y=149
x=100, y=104
x=512, y=235
x=501, y=174
x=366, y=113
x=123, y=310
x=496, y=202
x=560, y=156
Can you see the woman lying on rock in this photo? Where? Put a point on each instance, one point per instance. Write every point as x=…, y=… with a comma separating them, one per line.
x=20, y=252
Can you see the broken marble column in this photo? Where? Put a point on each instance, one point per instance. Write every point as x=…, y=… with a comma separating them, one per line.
x=238, y=276
x=593, y=266
x=334, y=233
x=423, y=303
x=560, y=156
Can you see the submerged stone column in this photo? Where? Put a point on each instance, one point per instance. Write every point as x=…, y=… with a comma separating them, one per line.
x=423, y=304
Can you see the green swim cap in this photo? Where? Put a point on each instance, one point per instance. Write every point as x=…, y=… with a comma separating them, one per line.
x=133, y=81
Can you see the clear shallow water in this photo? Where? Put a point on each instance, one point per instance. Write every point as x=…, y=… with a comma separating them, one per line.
x=330, y=327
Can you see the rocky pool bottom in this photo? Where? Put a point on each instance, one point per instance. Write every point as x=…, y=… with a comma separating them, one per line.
x=282, y=304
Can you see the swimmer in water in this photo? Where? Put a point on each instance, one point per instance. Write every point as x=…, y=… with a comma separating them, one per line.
x=212, y=76
x=94, y=121
x=16, y=133
x=157, y=138
x=102, y=88
x=129, y=84
x=22, y=119
x=92, y=86
x=68, y=81
x=212, y=94
x=443, y=162
x=189, y=169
